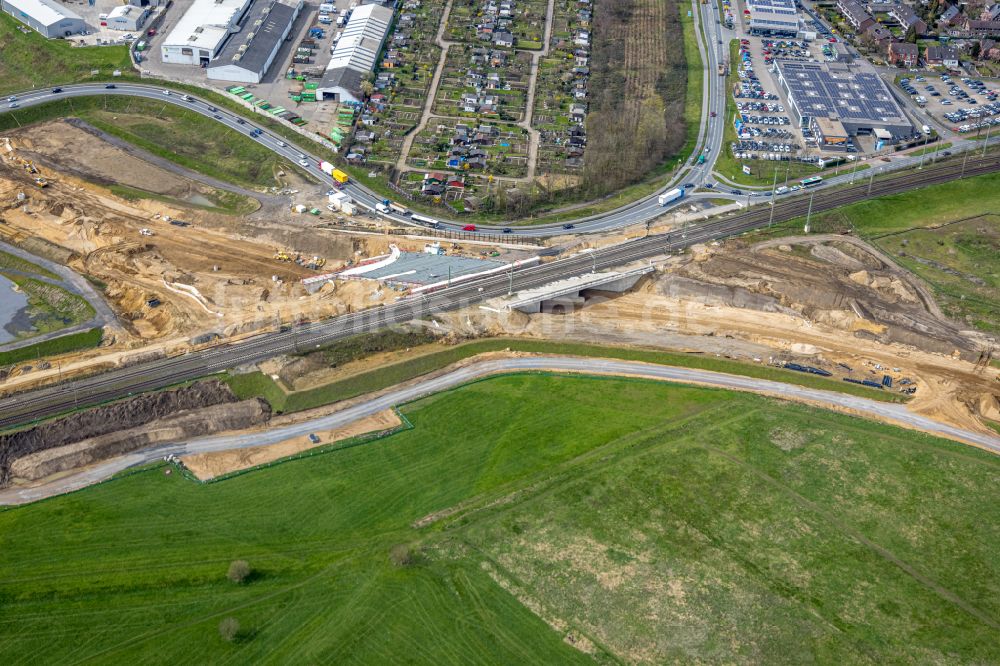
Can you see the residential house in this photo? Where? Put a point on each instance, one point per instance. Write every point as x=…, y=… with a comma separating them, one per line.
x=856, y=15
x=950, y=14
x=904, y=54
x=879, y=35
x=975, y=29
x=503, y=39
x=908, y=19
x=941, y=56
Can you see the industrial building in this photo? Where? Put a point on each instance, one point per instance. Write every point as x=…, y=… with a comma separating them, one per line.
x=201, y=33
x=850, y=100
x=356, y=53
x=49, y=18
x=773, y=17
x=248, y=55
x=127, y=18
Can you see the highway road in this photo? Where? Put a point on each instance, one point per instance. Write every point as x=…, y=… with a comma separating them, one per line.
x=638, y=212
x=874, y=409
x=46, y=402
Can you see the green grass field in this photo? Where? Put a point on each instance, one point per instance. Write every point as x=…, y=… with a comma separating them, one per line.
x=961, y=260
x=31, y=61
x=258, y=384
x=669, y=524
x=61, y=345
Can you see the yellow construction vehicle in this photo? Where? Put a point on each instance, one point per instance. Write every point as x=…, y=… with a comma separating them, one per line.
x=282, y=256
x=41, y=182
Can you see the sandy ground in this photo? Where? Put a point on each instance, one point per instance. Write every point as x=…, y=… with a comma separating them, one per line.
x=209, y=465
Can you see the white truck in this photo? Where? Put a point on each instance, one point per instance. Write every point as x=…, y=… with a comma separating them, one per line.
x=382, y=208
x=671, y=196
x=926, y=129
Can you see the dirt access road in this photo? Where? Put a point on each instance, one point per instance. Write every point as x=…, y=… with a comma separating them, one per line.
x=880, y=411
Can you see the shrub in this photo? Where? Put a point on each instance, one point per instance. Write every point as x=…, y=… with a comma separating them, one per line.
x=239, y=571
x=229, y=629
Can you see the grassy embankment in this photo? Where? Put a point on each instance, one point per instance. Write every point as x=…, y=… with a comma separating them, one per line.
x=62, y=345
x=173, y=133
x=434, y=358
x=948, y=234
x=658, y=522
x=11, y=262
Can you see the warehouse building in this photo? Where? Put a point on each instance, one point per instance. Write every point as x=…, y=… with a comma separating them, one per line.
x=773, y=17
x=356, y=53
x=850, y=101
x=127, y=18
x=49, y=18
x=248, y=55
x=201, y=33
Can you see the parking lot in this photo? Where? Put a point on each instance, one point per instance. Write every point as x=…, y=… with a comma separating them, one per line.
x=763, y=128
x=98, y=35
x=961, y=104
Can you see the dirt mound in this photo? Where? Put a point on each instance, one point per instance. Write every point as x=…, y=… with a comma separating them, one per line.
x=131, y=413
x=839, y=283
x=178, y=427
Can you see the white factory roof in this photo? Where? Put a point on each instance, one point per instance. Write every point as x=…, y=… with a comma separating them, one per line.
x=362, y=38
x=45, y=12
x=206, y=23
x=122, y=10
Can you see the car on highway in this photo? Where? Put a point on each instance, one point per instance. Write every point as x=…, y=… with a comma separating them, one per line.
x=507, y=230
x=12, y=105
x=212, y=108
x=240, y=121
x=737, y=191
x=57, y=90
x=304, y=163
x=713, y=114
x=166, y=92
x=217, y=117
x=469, y=227
x=12, y=98
x=567, y=226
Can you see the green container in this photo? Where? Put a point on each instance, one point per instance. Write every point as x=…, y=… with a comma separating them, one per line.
x=312, y=86
x=296, y=98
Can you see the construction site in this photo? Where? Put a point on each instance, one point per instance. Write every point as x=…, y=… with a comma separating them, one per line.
x=176, y=271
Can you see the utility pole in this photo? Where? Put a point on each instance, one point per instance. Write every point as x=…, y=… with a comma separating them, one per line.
x=773, y=185
x=870, y=180
x=964, y=161
x=810, y=211
x=988, y=128
x=510, y=284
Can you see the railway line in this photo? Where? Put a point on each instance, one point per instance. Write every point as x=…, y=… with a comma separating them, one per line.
x=49, y=401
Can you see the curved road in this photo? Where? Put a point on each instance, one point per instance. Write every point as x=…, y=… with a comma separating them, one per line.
x=634, y=213
x=120, y=382
x=897, y=414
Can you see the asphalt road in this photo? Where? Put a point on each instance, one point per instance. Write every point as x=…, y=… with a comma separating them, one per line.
x=838, y=401
x=46, y=402
x=637, y=212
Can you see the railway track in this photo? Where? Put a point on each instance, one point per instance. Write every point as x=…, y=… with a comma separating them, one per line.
x=46, y=402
